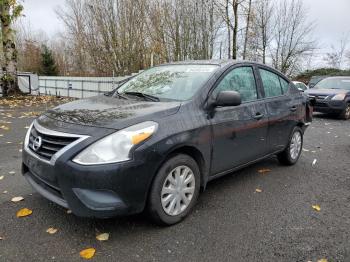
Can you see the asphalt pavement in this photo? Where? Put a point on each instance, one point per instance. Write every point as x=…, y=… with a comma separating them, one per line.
x=231, y=222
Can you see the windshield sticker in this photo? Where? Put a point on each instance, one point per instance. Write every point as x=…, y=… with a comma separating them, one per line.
x=200, y=69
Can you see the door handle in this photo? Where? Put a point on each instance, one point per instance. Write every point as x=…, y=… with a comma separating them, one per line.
x=293, y=108
x=258, y=116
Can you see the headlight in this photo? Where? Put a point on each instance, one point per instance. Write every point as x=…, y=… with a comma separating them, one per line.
x=116, y=147
x=26, y=139
x=339, y=97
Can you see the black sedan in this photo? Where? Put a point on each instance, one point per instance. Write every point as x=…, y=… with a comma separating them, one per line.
x=158, y=139
x=332, y=95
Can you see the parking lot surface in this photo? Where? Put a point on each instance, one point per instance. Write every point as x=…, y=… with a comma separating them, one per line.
x=245, y=216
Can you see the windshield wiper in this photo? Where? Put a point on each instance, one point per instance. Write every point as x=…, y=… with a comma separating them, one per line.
x=143, y=95
x=113, y=93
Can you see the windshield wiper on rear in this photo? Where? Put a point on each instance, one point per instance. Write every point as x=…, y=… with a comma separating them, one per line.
x=143, y=95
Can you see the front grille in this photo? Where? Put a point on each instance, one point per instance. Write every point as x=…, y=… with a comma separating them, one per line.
x=319, y=104
x=321, y=97
x=50, y=144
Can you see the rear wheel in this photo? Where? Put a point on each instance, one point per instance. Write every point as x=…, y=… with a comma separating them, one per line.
x=346, y=113
x=175, y=190
x=292, y=153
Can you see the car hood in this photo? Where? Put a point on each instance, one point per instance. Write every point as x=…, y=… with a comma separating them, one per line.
x=313, y=91
x=110, y=112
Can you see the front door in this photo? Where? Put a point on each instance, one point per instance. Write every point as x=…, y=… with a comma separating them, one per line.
x=239, y=132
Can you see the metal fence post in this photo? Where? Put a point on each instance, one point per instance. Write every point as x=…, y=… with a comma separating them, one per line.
x=56, y=87
x=67, y=88
x=82, y=89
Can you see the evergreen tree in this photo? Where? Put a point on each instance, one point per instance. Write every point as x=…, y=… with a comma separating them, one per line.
x=48, y=64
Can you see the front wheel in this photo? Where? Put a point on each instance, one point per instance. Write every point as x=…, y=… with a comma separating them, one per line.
x=346, y=113
x=292, y=153
x=175, y=190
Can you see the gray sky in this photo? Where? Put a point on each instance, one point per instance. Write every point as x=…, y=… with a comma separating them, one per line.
x=331, y=17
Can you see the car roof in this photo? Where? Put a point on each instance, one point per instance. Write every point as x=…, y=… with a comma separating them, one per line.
x=219, y=62
x=338, y=77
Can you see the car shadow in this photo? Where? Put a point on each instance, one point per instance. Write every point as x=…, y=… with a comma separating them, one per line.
x=220, y=186
x=326, y=116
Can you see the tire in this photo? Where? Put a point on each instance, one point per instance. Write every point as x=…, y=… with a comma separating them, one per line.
x=346, y=113
x=163, y=188
x=291, y=154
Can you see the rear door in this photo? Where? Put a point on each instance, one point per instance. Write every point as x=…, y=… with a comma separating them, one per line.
x=281, y=107
x=239, y=132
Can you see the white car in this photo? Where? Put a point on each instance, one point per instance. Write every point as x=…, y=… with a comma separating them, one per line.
x=301, y=86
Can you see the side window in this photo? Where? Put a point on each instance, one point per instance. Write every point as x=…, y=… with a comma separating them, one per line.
x=241, y=80
x=284, y=85
x=271, y=83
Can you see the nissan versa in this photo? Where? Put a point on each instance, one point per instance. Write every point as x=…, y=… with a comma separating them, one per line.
x=154, y=142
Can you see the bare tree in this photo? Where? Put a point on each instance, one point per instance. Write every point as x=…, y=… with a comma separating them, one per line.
x=246, y=37
x=348, y=58
x=124, y=36
x=263, y=22
x=335, y=57
x=292, y=36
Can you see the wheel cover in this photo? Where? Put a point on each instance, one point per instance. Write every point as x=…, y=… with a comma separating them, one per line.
x=347, y=112
x=295, y=145
x=178, y=190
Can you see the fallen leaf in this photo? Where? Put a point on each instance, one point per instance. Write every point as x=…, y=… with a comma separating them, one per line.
x=8, y=142
x=102, y=237
x=51, y=230
x=322, y=260
x=258, y=190
x=316, y=207
x=264, y=170
x=26, y=127
x=24, y=212
x=12, y=172
x=87, y=253
x=5, y=192
x=314, y=162
x=1, y=238
x=306, y=150
x=1, y=177
x=17, y=199
x=5, y=128
x=1, y=135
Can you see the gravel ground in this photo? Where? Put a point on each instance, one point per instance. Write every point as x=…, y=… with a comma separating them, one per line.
x=231, y=222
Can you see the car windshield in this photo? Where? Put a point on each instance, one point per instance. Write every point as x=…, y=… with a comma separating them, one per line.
x=171, y=82
x=334, y=83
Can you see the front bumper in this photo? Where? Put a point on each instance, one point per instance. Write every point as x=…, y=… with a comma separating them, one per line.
x=329, y=106
x=91, y=191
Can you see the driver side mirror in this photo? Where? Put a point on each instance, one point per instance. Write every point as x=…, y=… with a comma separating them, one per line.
x=228, y=98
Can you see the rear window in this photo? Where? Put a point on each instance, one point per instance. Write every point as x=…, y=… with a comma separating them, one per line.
x=271, y=83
